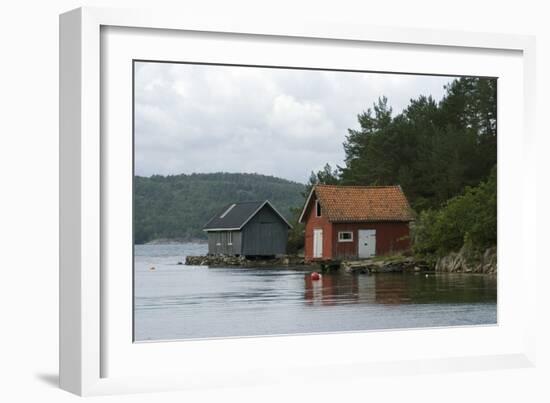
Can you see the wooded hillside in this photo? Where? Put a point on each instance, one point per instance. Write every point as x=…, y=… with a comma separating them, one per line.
x=177, y=206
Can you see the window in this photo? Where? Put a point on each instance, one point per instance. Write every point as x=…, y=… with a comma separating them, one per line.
x=230, y=238
x=345, y=236
x=317, y=208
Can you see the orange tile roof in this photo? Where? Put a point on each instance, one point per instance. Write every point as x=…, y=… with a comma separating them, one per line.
x=363, y=203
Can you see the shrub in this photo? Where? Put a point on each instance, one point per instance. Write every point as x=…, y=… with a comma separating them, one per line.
x=469, y=219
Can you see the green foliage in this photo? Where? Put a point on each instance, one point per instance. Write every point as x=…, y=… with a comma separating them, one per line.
x=326, y=176
x=433, y=150
x=296, y=239
x=178, y=206
x=469, y=219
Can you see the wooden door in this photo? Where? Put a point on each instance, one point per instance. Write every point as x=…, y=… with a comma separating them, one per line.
x=366, y=243
x=317, y=243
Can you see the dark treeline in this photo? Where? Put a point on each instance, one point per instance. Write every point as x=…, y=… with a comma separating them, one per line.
x=435, y=150
x=178, y=206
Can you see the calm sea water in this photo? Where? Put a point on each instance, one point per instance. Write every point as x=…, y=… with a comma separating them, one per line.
x=180, y=302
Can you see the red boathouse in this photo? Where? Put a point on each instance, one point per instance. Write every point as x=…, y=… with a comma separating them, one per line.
x=348, y=222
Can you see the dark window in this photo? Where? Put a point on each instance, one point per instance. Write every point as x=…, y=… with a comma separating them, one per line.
x=345, y=236
x=317, y=208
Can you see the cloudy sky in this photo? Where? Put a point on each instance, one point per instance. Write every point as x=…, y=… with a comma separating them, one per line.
x=280, y=122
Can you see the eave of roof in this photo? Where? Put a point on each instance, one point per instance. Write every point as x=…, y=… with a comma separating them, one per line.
x=220, y=229
x=300, y=220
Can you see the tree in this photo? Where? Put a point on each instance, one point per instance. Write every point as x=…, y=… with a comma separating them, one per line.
x=433, y=150
x=358, y=147
x=468, y=219
x=326, y=176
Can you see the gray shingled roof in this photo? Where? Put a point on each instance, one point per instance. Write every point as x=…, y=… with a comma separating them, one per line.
x=236, y=215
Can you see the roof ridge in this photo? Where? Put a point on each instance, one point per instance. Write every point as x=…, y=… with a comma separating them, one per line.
x=248, y=202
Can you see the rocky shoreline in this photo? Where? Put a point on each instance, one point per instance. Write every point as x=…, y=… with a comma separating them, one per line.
x=366, y=266
x=455, y=262
x=392, y=265
x=242, y=261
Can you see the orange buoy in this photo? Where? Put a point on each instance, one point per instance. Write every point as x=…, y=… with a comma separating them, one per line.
x=315, y=276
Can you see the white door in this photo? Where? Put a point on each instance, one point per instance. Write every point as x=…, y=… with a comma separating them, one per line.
x=317, y=243
x=367, y=243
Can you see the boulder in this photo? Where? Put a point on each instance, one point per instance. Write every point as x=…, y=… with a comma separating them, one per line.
x=466, y=261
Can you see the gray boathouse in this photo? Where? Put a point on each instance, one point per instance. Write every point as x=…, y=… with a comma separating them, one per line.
x=248, y=229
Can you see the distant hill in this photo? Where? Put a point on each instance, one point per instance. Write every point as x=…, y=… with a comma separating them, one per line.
x=177, y=206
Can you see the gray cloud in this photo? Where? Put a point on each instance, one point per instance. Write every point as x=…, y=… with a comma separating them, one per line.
x=286, y=123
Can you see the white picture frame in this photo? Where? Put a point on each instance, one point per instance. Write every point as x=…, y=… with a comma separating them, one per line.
x=93, y=348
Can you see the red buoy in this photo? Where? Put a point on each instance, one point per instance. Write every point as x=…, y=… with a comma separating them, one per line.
x=315, y=276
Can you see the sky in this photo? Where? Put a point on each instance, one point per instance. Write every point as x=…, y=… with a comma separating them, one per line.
x=280, y=122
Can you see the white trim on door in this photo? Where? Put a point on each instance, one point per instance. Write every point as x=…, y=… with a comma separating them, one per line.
x=366, y=243
x=318, y=243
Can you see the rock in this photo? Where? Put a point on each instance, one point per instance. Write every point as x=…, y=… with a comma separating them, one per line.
x=393, y=264
x=226, y=260
x=467, y=261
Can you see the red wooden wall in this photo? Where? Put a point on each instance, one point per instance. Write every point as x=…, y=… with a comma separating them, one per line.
x=390, y=237
x=313, y=222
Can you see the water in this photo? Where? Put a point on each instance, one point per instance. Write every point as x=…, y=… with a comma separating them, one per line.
x=181, y=302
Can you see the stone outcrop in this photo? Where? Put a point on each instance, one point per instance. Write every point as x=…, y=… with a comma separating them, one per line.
x=463, y=261
x=390, y=265
x=466, y=261
x=223, y=260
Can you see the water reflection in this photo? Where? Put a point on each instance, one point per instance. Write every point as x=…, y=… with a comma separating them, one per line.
x=399, y=288
x=331, y=289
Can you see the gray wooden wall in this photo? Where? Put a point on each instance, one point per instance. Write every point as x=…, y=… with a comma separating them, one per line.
x=218, y=243
x=265, y=234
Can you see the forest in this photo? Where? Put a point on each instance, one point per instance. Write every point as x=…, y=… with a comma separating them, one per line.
x=444, y=156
